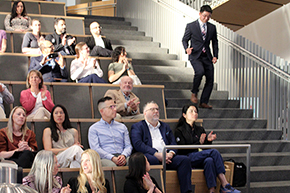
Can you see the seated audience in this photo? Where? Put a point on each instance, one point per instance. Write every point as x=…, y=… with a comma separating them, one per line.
x=108, y=137
x=31, y=40
x=42, y=176
x=127, y=102
x=100, y=46
x=36, y=98
x=63, y=43
x=18, y=19
x=85, y=68
x=121, y=67
x=3, y=41
x=91, y=177
x=62, y=139
x=138, y=179
x=188, y=133
x=50, y=64
x=6, y=96
x=17, y=142
x=151, y=135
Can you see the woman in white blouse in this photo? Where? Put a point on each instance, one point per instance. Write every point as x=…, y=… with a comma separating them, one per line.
x=85, y=68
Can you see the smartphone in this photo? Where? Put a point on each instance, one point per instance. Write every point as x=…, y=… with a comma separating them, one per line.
x=53, y=55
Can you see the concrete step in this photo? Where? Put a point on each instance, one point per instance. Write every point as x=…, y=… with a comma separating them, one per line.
x=163, y=70
x=155, y=77
x=96, y=18
x=178, y=102
x=234, y=123
x=128, y=37
x=102, y=22
x=233, y=135
x=269, y=187
x=261, y=159
x=186, y=93
x=258, y=146
x=270, y=173
x=150, y=56
x=213, y=113
x=165, y=63
x=106, y=32
x=126, y=43
x=150, y=49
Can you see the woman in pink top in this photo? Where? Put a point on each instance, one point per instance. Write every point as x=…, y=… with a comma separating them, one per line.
x=36, y=99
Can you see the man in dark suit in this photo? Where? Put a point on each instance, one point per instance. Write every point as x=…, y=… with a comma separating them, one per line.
x=151, y=135
x=51, y=66
x=201, y=33
x=98, y=45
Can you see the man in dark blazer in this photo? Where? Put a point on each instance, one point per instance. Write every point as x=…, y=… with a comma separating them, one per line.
x=151, y=135
x=52, y=67
x=201, y=33
x=99, y=46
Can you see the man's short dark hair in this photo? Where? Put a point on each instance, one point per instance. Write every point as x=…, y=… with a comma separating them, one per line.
x=56, y=20
x=106, y=98
x=206, y=8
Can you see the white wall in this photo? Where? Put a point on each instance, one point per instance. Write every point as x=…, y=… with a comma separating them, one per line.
x=271, y=32
x=164, y=24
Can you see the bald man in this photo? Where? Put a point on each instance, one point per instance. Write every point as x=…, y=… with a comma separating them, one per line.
x=50, y=64
x=98, y=45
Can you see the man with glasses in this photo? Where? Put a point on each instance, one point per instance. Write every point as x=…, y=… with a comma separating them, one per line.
x=100, y=46
x=151, y=135
x=108, y=137
x=201, y=33
x=50, y=64
x=127, y=102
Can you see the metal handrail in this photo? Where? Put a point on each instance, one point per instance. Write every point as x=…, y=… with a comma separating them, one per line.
x=90, y=7
x=248, y=146
x=274, y=69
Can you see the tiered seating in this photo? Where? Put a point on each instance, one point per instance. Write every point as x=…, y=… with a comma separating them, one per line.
x=80, y=99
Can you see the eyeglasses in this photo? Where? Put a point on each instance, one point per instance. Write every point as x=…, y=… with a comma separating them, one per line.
x=152, y=109
x=111, y=106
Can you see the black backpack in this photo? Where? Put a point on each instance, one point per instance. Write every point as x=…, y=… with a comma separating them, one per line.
x=240, y=174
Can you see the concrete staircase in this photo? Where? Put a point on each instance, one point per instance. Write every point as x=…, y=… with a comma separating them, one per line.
x=270, y=158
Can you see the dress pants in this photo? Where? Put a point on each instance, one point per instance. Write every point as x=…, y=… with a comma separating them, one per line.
x=23, y=159
x=181, y=164
x=211, y=161
x=93, y=78
x=100, y=51
x=203, y=66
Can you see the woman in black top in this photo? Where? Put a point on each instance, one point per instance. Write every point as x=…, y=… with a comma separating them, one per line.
x=188, y=133
x=138, y=179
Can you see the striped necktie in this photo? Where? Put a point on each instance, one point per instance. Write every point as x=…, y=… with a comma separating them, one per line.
x=203, y=35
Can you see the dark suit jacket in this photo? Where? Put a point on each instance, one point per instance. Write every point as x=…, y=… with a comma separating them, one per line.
x=90, y=41
x=141, y=137
x=47, y=72
x=56, y=41
x=193, y=33
x=74, y=185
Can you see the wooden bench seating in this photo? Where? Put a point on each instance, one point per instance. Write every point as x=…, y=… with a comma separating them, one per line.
x=73, y=24
x=80, y=99
x=37, y=7
x=116, y=177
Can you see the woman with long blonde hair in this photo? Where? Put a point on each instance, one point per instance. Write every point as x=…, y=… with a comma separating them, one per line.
x=91, y=177
x=42, y=176
x=17, y=142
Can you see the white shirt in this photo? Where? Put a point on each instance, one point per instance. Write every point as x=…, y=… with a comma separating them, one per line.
x=201, y=24
x=99, y=41
x=157, y=140
x=38, y=102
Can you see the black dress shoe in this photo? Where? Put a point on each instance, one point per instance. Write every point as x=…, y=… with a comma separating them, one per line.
x=205, y=106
